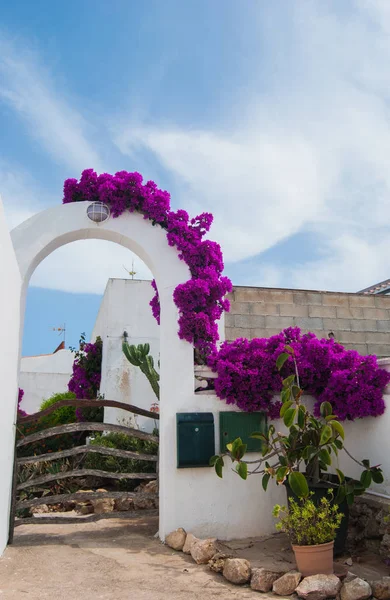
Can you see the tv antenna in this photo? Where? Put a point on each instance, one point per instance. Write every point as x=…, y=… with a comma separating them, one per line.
x=132, y=272
x=61, y=330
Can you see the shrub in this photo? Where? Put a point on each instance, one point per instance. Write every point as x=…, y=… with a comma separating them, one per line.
x=113, y=464
x=306, y=523
x=86, y=377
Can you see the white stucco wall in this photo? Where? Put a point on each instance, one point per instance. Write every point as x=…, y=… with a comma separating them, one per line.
x=10, y=287
x=42, y=376
x=125, y=307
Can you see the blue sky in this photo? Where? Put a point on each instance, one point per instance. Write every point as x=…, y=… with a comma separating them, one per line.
x=273, y=116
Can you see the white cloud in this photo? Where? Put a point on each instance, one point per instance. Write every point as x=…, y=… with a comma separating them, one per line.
x=32, y=92
x=309, y=153
x=85, y=266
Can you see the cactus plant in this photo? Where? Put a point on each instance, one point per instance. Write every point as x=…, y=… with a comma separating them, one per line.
x=139, y=357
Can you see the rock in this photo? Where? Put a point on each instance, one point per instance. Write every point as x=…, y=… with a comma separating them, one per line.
x=217, y=563
x=319, y=587
x=41, y=509
x=151, y=487
x=123, y=504
x=176, y=539
x=203, y=550
x=357, y=589
x=237, y=570
x=349, y=562
x=84, y=508
x=103, y=505
x=287, y=583
x=141, y=503
x=190, y=539
x=263, y=579
x=381, y=588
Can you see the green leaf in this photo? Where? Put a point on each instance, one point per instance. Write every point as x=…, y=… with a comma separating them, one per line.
x=350, y=499
x=340, y=475
x=289, y=417
x=285, y=396
x=281, y=360
x=325, y=456
x=296, y=391
x=340, y=496
x=265, y=480
x=365, y=479
x=285, y=407
x=338, y=444
x=330, y=418
x=338, y=428
x=258, y=435
x=289, y=380
x=301, y=417
x=326, y=434
x=218, y=466
x=283, y=460
x=325, y=409
x=289, y=349
x=298, y=484
x=241, y=451
x=242, y=470
x=229, y=447
x=213, y=460
x=281, y=473
x=366, y=463
x=377, y=476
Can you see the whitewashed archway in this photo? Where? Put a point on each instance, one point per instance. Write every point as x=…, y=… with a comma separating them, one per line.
x=43, y=233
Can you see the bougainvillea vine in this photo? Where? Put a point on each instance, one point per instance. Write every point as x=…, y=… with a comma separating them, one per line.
x=21, y=412
x=201, y=300
x=248, y=377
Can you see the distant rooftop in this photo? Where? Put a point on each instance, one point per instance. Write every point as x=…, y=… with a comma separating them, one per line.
x=379, y=288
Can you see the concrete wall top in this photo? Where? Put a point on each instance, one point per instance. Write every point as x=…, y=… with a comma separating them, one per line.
x=358, y=321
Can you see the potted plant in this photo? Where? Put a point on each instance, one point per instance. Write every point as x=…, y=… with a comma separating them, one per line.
x=301, y=456
x=311, y=528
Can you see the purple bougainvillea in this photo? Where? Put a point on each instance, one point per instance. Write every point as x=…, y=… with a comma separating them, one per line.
x=21, y=412
x=126, y=192
x=248, y=377
x=86, y=374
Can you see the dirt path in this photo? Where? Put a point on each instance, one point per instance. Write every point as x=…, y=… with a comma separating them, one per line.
x=105, y=560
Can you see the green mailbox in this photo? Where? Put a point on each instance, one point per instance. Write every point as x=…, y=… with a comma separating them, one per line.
x=241, y=424
x=195, y=439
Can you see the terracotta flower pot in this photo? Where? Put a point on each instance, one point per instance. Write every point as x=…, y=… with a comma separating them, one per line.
x=313, y=560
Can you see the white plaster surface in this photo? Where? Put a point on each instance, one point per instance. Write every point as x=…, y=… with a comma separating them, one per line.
x=125, y=307
x=42, y=376
x=10, y=288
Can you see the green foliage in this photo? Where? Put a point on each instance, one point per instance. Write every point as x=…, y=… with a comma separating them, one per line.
x=303, y=454
x=62, y=416
x=307, y=523
x=113, y=464
x=139, y=357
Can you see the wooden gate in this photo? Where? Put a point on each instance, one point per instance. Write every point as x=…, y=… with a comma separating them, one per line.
x=23, y=482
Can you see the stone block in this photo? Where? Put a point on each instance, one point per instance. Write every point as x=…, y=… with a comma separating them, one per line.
x=265, y=308
x=275, y=322
x=337, y=324
x=354, y=337
x=240, y=308
x=232, y=333
x=322, y=311
x=364, y=325
x=263, y=333
x=246, y=294
x=382, y=350
x=242, y=321
x=294, y=310
x=383, y=325
x=375, y=313
x=377, y=337
x=382, y=301
x=335, y=300
x=309, y=323
x=361, y=348
x=256, y=321
x=229, y=320
x=361, y=300
x=277, y=296
x=349, y=313
x=310, y=298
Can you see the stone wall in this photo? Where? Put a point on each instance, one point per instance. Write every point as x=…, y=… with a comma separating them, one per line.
x=358, y=321
x=369, y=526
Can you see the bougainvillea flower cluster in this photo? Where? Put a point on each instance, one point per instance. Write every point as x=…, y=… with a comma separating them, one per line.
x=248, y=377
x=21, y=412
x=86, y=373
x=201, y=300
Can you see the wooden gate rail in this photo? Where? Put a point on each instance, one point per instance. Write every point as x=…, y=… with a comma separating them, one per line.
x=86, y=426
x=128, y=514
x=58, y=498
x=88, y=403
x=37, y=481
x=128, y=454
